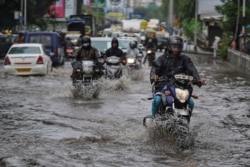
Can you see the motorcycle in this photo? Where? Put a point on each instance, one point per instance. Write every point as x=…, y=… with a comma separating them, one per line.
x=133, y=63
x=150, y=56
x=70, y=52
x=85, y=80
x=113, y=67
x=174, y=118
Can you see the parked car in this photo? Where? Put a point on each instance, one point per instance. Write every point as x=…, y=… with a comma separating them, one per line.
x=27, y=59
x=52, y=41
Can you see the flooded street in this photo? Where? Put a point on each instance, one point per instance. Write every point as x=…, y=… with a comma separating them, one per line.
x=42, y=124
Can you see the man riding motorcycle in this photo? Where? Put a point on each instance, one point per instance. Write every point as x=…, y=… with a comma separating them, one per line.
x=166, y=66
x=87, y=52
x=150, y=46
x=114, y=50
x=133, y=50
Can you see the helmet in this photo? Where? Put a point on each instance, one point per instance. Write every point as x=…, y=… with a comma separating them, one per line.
x=132, y=44
x=115, y=40
x=86, y=42
x=175, y=41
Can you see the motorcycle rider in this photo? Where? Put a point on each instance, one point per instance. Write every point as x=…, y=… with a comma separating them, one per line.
x=114, y=50
x=87, y=52
x=133, y=50
x=150, y=45
x=166, y=66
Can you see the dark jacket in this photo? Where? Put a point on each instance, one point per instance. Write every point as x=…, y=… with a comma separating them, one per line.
x=114, y=52
x=150, y=45
x=167, y=66
x=87, y=54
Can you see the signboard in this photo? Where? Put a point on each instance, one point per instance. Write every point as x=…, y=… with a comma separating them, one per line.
x=70, y=7
x=59, y=8
x=136, y=15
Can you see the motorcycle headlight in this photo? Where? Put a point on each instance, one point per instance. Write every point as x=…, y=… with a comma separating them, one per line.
x=130, y=60
x=149, y=51
x=182, y=95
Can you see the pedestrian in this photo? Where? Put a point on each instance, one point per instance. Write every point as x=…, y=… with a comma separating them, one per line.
x=215, y=45
x=233, y=44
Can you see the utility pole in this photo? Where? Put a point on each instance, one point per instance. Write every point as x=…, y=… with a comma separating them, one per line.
x=21, y=14
x=170, y=15
x=25, y=14
x=195, y=25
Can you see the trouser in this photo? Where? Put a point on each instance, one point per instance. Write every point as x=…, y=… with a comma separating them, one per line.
x=145, y=59
x=156, y=104
x=157, y=101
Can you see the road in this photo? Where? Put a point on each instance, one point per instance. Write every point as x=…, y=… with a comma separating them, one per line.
x=42, y=124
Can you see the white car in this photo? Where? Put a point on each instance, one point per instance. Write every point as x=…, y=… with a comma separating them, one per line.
x=27, y=59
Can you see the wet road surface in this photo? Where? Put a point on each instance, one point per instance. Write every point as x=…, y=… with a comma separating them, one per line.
x=42, y=124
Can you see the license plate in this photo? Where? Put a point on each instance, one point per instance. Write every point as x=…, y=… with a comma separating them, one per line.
x=23, y=70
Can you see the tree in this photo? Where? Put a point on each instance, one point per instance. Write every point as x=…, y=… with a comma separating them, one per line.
x=233, y=22
x=184, y=11
x=36, y=9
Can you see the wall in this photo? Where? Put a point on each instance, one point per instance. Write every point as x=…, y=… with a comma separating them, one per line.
x=239, y=60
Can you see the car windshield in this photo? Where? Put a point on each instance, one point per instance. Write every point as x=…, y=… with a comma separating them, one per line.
x=124, y=44
x=101, y=45
x=25, y=49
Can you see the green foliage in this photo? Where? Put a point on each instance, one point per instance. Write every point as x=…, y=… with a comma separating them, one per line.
x=189, y=27
x=184, y=11
x=2, y=2
x=233, y=22
x=225, y=42
x=152, y=13
x=36, y=9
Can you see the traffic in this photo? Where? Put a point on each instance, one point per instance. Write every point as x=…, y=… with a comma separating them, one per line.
x=116, y=88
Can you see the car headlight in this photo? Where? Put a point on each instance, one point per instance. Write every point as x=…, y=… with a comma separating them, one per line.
x=130, y=60
x=182, y=95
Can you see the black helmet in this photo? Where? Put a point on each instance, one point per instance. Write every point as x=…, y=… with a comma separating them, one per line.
x=115, y=40
x=86, y=41
x=132, y=44
x=176, y=41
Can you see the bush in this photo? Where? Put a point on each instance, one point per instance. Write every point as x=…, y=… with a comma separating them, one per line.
x=225, y=43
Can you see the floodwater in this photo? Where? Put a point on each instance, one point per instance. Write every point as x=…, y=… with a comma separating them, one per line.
x=42, y=124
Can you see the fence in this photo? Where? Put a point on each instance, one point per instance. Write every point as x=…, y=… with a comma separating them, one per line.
x=239, y=59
